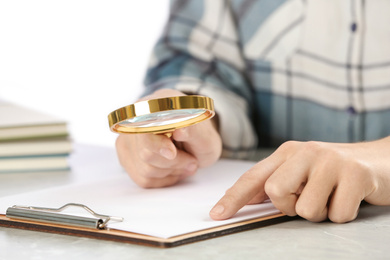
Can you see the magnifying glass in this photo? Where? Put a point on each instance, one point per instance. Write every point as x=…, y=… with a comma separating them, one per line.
x=161, y=116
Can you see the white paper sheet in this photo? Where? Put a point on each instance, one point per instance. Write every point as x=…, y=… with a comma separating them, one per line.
x=163, y=213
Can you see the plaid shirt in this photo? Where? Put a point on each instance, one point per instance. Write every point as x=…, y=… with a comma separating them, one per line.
x=281, y=69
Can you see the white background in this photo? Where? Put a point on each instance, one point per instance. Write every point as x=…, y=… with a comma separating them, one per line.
x=77, y=59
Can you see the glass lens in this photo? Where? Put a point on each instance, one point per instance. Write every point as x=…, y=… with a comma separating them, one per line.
x=163, y=118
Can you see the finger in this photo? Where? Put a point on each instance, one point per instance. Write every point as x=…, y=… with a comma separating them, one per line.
x=258, y=198
x=248, y=186
x=145, y=182
x=142, y=157
x=202, y=140
x=150, y=144
x=148, y=176
x=130, y=154
x=135, y=151
x=285, y=184
x=343, y=206
x=312, y=203
x=148, y=171
x=346, y=199
x=182, y=159
x=160, y=167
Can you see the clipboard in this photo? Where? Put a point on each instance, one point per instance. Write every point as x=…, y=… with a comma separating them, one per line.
x=165, y=217
x=44, y=220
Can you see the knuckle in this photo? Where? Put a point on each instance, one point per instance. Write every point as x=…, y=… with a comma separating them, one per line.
x=145, y=155
x=273, y=190
x=324, y=151
x=315, y=147
x=288, y=145
x=150, y=172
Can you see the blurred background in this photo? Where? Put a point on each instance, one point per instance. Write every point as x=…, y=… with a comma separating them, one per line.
x=77, y=59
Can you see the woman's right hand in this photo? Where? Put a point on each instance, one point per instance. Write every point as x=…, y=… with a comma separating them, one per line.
x=155, y=160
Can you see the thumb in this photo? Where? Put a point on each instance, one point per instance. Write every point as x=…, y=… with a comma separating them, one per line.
x=202, y=140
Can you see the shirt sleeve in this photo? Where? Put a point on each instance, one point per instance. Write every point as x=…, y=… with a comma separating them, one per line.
x=199, y=53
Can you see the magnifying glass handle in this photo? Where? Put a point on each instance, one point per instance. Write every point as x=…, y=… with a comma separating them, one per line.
x=168, y=134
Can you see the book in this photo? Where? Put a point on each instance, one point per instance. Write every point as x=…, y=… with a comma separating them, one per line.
x=31, y=140
x=34, y=147
x=18, y=122
x=34, y=163
x=162, y=217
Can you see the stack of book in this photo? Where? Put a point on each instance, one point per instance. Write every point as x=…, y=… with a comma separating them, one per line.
x=32, y=141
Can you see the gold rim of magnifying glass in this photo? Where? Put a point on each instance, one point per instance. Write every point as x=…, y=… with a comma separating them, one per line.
x=157, y=105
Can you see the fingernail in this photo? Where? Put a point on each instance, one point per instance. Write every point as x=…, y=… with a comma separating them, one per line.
x=217, y=210
x=167, y=153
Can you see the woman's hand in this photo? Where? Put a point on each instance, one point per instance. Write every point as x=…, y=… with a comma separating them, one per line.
x=315, y=180
x=157, y=161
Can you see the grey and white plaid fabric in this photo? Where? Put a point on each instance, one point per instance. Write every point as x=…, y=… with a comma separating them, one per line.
x=281, y=69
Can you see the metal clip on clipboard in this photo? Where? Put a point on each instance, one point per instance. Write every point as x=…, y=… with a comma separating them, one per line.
x=51, y=215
